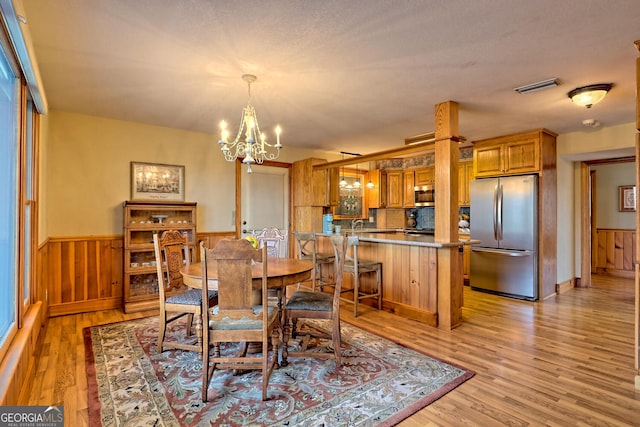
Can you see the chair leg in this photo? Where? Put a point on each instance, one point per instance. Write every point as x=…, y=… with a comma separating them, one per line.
x=337, y=341
x=162, y=329
x=205, y=374
x=379, y=279
x=356, y=294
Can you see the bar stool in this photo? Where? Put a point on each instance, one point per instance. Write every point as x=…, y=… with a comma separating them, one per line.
x=308, y=250
x=358, y=267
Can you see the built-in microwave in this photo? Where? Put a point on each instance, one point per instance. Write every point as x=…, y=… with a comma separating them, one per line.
x=425, y=195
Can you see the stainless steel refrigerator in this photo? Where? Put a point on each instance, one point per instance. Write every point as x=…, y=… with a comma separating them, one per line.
x=504, y=218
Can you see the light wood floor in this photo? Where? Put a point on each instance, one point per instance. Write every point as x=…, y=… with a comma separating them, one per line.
x=567, y=361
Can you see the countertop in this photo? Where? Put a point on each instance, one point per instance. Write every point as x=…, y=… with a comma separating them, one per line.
x=393, y=236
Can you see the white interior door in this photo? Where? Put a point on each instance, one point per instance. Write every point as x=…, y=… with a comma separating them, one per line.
x=265, y=198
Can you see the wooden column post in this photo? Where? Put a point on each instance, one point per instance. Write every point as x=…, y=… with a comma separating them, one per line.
x=450, y=280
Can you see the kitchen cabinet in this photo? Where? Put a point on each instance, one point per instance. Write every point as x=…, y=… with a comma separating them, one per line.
x=512, y=154
x=315, y=187
x=409, y=193
x=141, y=221
x=425, y=176
x=465, y=175
x=395, y=190
x=378, y=194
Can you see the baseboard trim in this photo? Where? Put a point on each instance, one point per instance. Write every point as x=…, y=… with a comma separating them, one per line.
x=565, y=286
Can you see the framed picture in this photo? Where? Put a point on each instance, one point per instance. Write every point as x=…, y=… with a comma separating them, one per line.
x=153, y=181
x=627, y=198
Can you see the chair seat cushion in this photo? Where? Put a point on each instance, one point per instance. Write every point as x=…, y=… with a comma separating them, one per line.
x=320, y=258
x=190, y=297
x=314, y=301
x=363, y=266
x=228, y=324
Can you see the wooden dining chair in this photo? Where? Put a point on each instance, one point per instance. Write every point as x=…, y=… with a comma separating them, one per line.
x=317, y=305
x=274, y=239
x=176, y=299
x=235, y=319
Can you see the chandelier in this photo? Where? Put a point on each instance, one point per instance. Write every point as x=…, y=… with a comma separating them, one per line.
x=250, y=143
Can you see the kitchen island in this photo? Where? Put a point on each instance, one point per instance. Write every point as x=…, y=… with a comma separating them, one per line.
x=409, y=270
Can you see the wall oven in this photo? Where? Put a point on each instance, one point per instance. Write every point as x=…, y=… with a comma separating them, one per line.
x=424, y=195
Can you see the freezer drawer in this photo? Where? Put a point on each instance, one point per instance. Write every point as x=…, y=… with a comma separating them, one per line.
x=509, y=273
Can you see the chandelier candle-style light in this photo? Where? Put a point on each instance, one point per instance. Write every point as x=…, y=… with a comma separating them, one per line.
x=250, y=142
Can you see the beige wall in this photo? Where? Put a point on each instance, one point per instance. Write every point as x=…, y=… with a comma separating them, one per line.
x=86, y=172
x=572, y=149
x=608, y=179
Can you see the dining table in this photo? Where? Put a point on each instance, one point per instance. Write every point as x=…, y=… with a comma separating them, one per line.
x=281, y=272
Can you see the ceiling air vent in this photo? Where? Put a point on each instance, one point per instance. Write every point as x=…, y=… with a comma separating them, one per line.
x=537, y=86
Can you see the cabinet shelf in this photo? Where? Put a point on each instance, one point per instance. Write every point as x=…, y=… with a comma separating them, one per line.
x=140, y=271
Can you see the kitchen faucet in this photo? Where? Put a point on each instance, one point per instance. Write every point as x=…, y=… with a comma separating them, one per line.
x=355, y=222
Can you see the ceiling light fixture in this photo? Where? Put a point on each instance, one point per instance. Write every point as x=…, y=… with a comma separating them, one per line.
x=245, y=143
x=533, y=87
x=586, y=96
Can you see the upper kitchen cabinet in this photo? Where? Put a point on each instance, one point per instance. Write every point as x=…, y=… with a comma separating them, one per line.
x=321, y=190
x=395, y=198
x=425, y=176
x=465, y=175
x=409, y=192
x=378, y=194
x=513, y=154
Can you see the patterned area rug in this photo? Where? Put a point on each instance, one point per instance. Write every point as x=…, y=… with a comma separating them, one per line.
x=379, y=383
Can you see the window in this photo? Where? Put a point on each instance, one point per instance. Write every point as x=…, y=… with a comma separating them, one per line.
x=9, y=171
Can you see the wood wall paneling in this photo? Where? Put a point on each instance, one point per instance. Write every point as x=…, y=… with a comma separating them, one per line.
x=616, y=251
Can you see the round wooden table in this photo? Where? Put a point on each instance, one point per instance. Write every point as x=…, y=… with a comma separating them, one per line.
x=281, y=272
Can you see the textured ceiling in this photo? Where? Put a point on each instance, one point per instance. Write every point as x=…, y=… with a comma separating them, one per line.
x=356, y=75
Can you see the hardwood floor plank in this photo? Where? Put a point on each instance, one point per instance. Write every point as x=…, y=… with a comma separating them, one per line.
x=566, y=361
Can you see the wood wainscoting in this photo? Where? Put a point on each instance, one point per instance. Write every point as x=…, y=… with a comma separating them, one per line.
x=83, y=274
x=614, y=252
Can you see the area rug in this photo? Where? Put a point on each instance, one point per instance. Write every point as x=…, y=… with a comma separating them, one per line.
x=379, y=383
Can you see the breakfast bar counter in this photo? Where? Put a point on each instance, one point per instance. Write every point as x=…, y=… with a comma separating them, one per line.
x=409, y=270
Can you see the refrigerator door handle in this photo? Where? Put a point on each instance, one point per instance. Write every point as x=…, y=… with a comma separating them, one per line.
x=499, y=213
x=501, y=252
x=495, y=212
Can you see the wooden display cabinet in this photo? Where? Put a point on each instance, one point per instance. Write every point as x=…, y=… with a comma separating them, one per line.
x=141, y=221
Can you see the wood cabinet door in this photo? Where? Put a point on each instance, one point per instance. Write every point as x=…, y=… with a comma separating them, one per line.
x=425, y=176
x=377, y=196
x=395, y=189
x=522, y=156
x=465, y=175
x=488, y=160
x=409, y=193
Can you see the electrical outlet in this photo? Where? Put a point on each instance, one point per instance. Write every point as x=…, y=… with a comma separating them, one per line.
x=370, y=219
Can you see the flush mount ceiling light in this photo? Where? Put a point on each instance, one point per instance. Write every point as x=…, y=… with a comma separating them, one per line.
x=533, y=87
x=586, y=96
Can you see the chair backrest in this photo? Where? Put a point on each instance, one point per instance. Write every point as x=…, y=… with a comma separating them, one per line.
x=306, y=245
x=351, y=254
x=339, y=244
x=275, y=241
x=171, y=251
x=233, y=263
